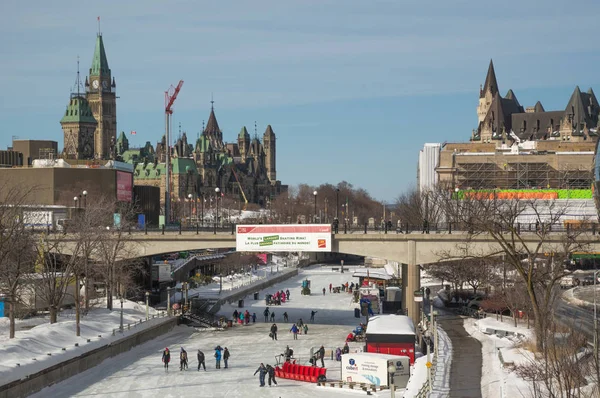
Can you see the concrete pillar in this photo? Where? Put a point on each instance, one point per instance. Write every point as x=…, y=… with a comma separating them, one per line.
x=413, y=282
x=404, y=285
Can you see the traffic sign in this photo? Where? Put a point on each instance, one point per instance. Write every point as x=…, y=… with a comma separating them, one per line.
x=428, y=364
x=418, y=299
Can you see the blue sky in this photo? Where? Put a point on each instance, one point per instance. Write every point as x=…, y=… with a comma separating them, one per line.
x=352, y=89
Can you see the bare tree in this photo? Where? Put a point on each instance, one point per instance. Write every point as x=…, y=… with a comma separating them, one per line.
x=536, y=252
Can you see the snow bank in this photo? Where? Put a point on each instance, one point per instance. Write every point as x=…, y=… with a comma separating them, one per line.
x=44, y=345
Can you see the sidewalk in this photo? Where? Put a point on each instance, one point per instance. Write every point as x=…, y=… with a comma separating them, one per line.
x=467, y=361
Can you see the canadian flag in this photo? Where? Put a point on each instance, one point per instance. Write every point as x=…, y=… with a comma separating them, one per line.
x=133, y=132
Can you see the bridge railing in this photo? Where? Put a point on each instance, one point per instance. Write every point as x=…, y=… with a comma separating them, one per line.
x=404, y=228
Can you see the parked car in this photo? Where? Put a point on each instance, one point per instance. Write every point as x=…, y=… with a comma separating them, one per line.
x=568, y=282
x=587, y=280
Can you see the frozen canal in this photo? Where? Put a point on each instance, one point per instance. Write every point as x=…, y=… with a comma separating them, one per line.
x=139, y=373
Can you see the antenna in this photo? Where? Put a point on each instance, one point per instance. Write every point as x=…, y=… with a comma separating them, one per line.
x=212, y=102
x=255, y=130
x=99, y=32
x=179, y=129
x=203, y=126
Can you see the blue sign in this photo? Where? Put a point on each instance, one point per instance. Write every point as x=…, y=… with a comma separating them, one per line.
x=141, y=221
x=117, y=220
x=1, y=308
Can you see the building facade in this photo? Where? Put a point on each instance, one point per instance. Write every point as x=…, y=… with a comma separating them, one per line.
x=516, y=147
x=429, y=158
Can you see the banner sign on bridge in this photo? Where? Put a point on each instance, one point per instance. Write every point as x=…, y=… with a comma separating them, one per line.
x=284, y=238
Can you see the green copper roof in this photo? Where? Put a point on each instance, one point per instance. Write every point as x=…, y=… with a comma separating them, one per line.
x=244, y=133
x=183, y=165
x=153, y=171
x=99, y=62
x=203, y=144
x=131, y=155
x=78, y=111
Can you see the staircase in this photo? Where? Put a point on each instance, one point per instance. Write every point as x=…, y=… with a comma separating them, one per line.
x=201, y=313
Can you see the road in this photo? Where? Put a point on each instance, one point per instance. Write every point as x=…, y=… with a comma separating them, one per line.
x=579, y=318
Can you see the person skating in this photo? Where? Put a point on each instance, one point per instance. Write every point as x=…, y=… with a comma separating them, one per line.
x=295, y=330
x=271, y=373
x=305, y=328
x=235, y=316
x=287, y=294
x=321, y=353
x=218, y=357
x=330, y=287
x=183, y=359
x=345, y=349
x=247, y=317
x=273, y=316
x=166, y=358
x=254, y=317
x=312, y=315
x=323, y=291
x=288, y=353
x=201, y=360
x=225, y=357
x=262, y=371
x=285, y=316
x=338, y=354
x=273, y=333
x=266, y=313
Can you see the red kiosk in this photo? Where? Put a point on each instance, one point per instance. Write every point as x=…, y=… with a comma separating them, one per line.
x=391, y=334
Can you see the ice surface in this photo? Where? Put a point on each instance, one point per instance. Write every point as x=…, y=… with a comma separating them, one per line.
x=139, y=372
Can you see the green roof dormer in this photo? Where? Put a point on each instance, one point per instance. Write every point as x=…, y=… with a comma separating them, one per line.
x=99, y=62
x=244, y=133
x=78, y=111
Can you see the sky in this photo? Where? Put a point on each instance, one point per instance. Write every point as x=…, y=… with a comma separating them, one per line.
x=352, y=89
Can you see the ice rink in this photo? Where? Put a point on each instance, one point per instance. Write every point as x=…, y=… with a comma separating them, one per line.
x=139, y=373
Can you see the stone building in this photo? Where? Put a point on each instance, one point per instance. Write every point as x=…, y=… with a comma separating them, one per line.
x=517, y=147
x=90, y=120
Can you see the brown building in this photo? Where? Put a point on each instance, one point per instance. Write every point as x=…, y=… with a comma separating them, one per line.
x=10, y=158
x=35, y=149
x=59, y=185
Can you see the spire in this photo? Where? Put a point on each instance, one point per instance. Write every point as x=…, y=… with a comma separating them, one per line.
x=78, y=88
x=269, y=132
x=244, y=134
x=212, y=127
x=99, y=61
x=490, y=81
x=255, y=131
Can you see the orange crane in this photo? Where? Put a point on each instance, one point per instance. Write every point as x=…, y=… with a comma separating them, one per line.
x=170, y=97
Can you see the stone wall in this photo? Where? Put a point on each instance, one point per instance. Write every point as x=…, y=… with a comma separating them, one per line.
x=62, y=371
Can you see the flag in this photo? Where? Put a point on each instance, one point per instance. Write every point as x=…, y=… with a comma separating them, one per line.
x=133, y=132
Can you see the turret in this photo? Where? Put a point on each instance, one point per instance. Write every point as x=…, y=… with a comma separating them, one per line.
x=270, y=154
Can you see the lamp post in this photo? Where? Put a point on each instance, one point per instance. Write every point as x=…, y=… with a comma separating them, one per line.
x=315, y=214
x=76, y=201
x=337, y=202
x=121, y=327
x=456, y=190
x=202, y=208
x=85, y=199
x=190, y=196
x=169, y=301
x=220, y=283
x=391, y=370
x=217, y=190
x=147, y=298
x=231, y=280
x=595, y=319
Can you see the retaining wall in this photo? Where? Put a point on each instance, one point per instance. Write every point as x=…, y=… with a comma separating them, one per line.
x=62, y=371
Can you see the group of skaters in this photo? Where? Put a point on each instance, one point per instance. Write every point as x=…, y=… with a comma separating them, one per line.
x=344, y=287
x=243, y=317
x=220, y=354
x=280, y=297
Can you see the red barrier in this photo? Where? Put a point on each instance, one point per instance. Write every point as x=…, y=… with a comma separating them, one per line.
x=300, y=372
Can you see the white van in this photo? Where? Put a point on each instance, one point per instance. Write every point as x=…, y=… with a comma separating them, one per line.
x=568, y=282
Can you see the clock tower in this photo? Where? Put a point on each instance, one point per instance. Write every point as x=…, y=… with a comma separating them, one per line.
x=103, y=103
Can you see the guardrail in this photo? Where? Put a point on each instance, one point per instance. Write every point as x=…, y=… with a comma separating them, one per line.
x=161, y=314
x=437, y=228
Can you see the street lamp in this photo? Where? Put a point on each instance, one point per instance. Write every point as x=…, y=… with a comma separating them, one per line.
x=202, y=208
x=315, y=214
x=76, y=200
x=85, y=199
x=456, y=190
x=169, y=300
x=190, y=196
x=147, y=298
x=121, y=327
x=217, y=190
x=337, y=202
x=391, y=370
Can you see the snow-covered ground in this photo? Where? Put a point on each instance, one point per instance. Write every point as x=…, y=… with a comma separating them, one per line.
x=38, y=344
x=139, y=372
x=496, y=381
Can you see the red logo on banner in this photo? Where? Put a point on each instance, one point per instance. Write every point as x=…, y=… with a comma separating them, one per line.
x=322, y=243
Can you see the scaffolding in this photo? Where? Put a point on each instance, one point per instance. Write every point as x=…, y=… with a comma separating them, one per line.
x=505, y=173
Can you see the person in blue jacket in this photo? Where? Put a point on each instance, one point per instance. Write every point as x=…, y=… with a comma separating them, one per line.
x=218, y=357
x=262, y=372
x=295, y=331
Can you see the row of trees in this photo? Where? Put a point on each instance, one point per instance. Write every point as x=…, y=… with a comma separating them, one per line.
x=45, y=271
x=535, y=260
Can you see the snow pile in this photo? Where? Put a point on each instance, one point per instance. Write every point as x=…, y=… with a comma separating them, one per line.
x=38, y=344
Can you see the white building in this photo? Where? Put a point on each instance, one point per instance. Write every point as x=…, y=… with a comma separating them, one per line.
x=429, y=158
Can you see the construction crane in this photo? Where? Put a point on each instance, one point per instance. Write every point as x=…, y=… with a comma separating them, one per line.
x=170, y=97
x=240, y=185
